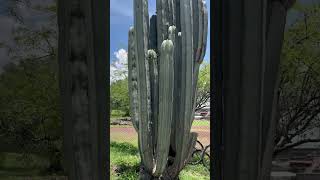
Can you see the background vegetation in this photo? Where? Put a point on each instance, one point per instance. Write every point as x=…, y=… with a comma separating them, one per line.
x=299, y=92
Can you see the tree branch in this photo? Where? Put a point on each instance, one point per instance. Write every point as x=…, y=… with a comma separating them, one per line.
x=278, y=150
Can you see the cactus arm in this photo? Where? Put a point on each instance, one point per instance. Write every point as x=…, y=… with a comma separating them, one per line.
x=187, y=32
x=153, y=61
x=170, y=13
x=141, y=24
x=202, y=41
x=205, y=32
x=196, y=27
x=166, y=77
x=153, y=33
x=172, y=20
x=177, y=74
x=186, y=82
x=132, y=80
x=195, y=88
x=200, y=19
x=165, y=18
x=160, y=22
x=177, y=15
x=177, y=91
x=152, y=57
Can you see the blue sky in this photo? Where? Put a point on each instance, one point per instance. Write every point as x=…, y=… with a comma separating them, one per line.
x=121, y=18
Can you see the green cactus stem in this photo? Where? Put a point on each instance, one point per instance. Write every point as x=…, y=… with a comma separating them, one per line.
x=164, y=56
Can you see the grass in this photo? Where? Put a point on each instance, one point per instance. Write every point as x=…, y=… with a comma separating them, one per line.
x=12, y=167
x=201, y=123
x=125, y=161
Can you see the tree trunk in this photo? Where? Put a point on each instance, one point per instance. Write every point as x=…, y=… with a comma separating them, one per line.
x=83, y=83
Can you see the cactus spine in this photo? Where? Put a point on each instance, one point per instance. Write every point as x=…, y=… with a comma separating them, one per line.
x=164, y=59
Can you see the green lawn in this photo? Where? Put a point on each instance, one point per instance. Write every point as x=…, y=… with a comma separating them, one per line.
x=125, y=164
x=201, y=123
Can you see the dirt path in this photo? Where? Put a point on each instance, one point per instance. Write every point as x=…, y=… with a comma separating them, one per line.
x=128, y=134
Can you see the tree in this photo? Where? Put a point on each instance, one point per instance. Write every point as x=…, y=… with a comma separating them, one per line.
x=299, y=91
x=203, y=91
x=120, y=96
x=30, y=110
x=30, y=114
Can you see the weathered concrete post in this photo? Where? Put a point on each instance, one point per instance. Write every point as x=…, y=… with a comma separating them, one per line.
x=248, y=40
x=83, y=83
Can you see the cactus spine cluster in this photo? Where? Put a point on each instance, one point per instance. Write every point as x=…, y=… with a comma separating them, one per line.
x=164, y=56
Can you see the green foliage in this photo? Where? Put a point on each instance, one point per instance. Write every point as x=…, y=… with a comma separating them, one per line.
x=117, y=113
x=30, y=116
x=299, y=92
x=125, y=164
x=203, y=91
x=119, y=97
x=204, y=77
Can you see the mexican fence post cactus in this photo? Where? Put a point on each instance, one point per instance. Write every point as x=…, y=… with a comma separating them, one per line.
x=164, y=56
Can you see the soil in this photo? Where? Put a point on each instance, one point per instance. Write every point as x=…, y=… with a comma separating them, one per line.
x=128, y=134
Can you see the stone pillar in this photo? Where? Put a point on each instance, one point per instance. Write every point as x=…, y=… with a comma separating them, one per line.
x=83, y=46
x=248, y=38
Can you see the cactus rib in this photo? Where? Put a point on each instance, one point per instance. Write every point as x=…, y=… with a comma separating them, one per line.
x=165, y=106
x=141, y=24
x=132, y=78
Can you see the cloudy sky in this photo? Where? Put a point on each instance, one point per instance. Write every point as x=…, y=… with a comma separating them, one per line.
x=121, y=18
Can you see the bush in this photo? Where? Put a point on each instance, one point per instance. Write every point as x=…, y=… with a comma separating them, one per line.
x=118, y=113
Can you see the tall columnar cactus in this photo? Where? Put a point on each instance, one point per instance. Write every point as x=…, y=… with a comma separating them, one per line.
x=164, y=55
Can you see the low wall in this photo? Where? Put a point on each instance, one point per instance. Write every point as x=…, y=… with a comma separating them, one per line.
x=311, y=176
x=292, y=176
x=283, y=176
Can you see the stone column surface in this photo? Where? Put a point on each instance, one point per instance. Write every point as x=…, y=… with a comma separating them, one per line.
x=248, y=38
x=83, y=75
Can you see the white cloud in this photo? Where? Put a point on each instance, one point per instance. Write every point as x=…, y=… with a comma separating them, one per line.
x=119, y=67
x=122, y=57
